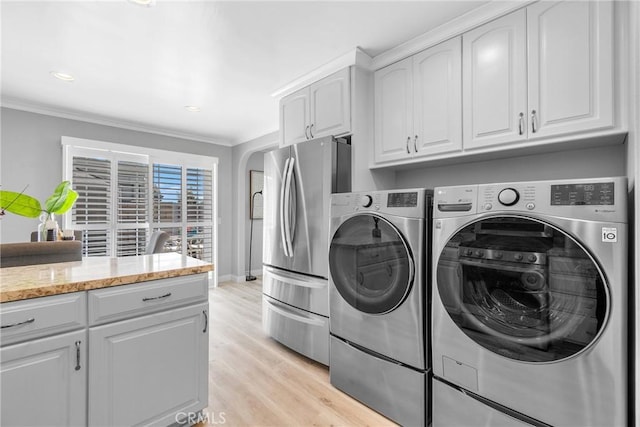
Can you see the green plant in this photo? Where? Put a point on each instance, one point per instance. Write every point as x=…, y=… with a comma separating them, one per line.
x=59, y=202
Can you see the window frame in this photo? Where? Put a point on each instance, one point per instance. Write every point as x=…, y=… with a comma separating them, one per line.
x=79, y=147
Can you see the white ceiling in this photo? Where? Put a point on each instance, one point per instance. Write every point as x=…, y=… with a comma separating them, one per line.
x=138, y=66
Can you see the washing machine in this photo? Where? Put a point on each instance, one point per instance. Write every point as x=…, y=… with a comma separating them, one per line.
x=378, y=301
x=529, y=304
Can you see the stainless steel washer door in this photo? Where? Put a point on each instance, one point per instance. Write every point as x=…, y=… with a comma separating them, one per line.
x=523, y=289
x=370, y=263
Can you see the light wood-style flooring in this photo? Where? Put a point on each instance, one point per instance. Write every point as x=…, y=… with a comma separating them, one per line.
x=255, y=381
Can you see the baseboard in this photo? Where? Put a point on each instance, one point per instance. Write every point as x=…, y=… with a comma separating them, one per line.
x=241, y=279
x=237, y=279
x=226, y=278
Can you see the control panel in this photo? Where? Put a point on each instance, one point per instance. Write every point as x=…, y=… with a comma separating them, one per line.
x=406, y=203
x=597, y=199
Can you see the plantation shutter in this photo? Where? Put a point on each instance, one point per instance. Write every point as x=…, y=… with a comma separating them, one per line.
x=167, y=194
x=132, y=204
x=199, y=183
x=91, y=179
x=112, y=207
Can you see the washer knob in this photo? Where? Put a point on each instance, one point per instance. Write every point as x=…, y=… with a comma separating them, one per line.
x=508, y=196
x=498, y=255
x=532, y=258
x=479, y=254
x=518, y=257
x=366, y=201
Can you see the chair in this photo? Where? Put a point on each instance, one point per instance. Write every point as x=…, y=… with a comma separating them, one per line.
x=156, y=242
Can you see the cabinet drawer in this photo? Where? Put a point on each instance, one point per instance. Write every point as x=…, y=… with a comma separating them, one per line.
x=122, y=302
x=34, y=318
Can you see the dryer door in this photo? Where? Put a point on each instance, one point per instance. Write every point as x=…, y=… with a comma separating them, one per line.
x=523, y=289
x=370, y=263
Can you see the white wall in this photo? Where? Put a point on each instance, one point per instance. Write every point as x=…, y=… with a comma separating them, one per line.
x=31, y=154
x=255, y=162
x=634, y=174
x=240, y=157
x=586, y=163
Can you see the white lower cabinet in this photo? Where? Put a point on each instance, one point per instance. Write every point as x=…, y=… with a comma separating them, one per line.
x=44, y=381
x=149, y=370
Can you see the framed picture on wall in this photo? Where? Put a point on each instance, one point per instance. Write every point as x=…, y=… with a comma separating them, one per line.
x=256, y=181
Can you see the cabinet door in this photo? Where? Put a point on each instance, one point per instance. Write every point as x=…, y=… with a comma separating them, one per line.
x=44, y=381
x=393, y=111
x=330, y=105
x=494, y=82
x=148, y=369
x=294, y=118
x=570, y=67
x=437, y=77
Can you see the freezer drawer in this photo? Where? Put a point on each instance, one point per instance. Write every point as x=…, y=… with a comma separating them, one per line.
x=304, y=332
x=454, y=408
x=396, y=391
x=304, y=292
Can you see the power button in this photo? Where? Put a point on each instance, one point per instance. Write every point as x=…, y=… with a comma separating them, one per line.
x=531, y=206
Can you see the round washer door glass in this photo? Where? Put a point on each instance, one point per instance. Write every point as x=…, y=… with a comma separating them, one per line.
x=370, y=264
x=522, y=289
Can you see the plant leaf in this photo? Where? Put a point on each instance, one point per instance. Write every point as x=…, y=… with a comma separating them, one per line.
x=58, y=198
x=72, y=196
x=20, y=204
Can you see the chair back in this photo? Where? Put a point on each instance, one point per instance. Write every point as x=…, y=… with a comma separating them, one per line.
x=156, y=242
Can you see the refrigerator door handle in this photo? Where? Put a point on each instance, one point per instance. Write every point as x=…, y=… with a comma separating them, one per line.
x=283, y=194
x=287, y=209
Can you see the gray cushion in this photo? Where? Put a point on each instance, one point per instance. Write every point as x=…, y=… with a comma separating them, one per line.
x=16, y=254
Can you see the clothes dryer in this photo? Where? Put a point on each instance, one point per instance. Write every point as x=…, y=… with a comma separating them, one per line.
x=378, y=301
x=530, y=303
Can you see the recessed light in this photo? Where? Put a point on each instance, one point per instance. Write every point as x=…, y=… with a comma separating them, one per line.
x=63, y=76
x=146, y=3
x=192, y=108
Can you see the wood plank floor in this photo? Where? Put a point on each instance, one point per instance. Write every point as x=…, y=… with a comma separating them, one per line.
x=255, y=381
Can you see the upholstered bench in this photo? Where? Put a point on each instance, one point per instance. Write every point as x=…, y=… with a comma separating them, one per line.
x=16, y=254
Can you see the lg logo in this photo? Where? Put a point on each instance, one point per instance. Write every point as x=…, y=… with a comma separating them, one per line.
x=609, y=235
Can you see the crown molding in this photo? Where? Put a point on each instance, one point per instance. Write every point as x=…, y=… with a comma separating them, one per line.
x=22, y=105
x=355, y=57
x=455, y=27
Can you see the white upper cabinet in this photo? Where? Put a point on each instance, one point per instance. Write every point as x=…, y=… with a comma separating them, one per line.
x=321, y=109
x=570, y=47
x=543, y=71
x=393, y=111
x=495, y=82
x=418, y=104
x=437, y=104
x=294, y=118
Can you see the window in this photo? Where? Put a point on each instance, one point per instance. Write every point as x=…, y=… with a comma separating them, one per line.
x=126, y=193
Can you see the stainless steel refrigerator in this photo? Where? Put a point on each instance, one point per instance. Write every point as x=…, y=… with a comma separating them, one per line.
x=298, y=182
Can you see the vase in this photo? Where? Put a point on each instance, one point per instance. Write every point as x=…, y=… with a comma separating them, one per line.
x=48, y=228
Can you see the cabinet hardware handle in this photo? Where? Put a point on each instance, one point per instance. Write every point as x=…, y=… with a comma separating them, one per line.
x=533, y=121
x=408, y=140
x=306, y=132
x=206, y=321
x=521, y=124
x=155, y=298
x=78, y=355
x=415, y=144
x=311, y=130
x=31, y=320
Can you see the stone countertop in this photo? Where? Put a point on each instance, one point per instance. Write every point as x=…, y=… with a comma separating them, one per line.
x=33, y=281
